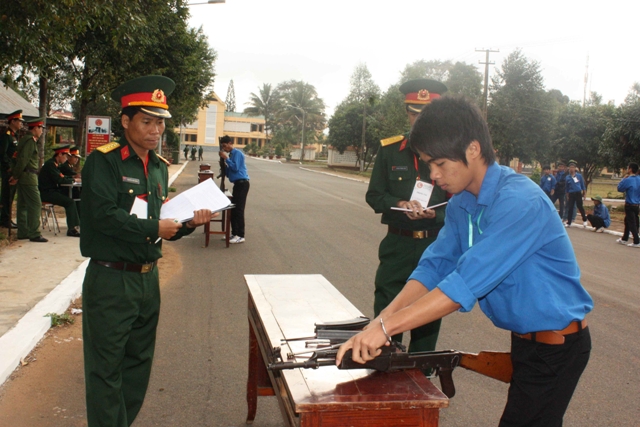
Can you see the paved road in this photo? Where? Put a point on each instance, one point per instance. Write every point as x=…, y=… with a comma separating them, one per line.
x=302, y=222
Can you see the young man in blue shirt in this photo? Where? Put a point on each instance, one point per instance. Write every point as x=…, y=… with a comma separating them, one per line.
x=630, y=186
x=559, y=193
x=548, y=182
x=600, y=218
x=576, y=190
x=529, y=285
x=237, y=173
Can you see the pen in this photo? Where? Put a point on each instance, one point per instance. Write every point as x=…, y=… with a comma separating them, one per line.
x=160, y=238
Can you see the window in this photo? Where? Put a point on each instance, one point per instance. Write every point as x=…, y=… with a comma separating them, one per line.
x=254, y=127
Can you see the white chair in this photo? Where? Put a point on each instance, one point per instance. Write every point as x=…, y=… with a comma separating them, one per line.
x=49, y=213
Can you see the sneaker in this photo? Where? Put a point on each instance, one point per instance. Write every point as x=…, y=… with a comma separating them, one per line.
x=231, y=236
x=600, y=230
x=565, y=224
x=585, y=224
x=631, y=245
x=237, y=239
x=622, y=242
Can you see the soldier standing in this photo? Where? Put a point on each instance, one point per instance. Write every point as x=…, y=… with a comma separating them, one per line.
x=8, y=147
x=396, y=172
x=50, y=180
x=121, y=294
x=25, y=175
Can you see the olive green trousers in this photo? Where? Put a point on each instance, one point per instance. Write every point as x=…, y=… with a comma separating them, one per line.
x=119, y=320
x=399, y=256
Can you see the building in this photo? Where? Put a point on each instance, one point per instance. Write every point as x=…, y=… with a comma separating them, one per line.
x=214, y=121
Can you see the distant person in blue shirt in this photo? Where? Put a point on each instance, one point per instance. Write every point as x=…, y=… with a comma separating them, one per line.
x=236, y=171
x=575, y=192
x=600, y=218
x=559, y=193
x=548, y=182
x=503, y=246
x=630, y=186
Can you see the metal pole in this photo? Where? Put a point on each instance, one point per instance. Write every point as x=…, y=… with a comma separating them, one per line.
x=302, y=144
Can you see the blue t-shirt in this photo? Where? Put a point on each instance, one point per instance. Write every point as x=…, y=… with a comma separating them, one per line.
x=547, y=183
x=630, y=186
x=508, y=250
x=601, y=211
x=236, y=168
x=574, y=183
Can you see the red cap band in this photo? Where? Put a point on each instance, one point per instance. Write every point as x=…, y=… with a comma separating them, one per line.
x=145, y=99
x=421, y=97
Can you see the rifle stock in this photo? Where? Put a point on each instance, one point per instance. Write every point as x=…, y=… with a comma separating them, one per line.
x=493, y=364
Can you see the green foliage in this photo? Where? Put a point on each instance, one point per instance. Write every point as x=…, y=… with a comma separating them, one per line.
x=60, y=319
x=266, y=103
x=622, y=136
x=464, y=79
x=345, y=130
x=536, y=175
x=520, y=115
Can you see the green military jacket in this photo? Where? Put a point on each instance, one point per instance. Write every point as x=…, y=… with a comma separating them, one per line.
x=25, y=169
x=67, y=170
x=112, y=177
x=51, y=177
x=8, y=146
x=393, y=178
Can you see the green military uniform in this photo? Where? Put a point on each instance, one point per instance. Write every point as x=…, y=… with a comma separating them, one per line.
x=8, y=147
x=25, y=170
x=121, y=295
x=394, y=176
x=393, y=179
x=49, y=181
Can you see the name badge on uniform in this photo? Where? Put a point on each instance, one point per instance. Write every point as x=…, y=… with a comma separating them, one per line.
x=575, y=179
x=130, y=180
x=399, y=168
x=422, y=193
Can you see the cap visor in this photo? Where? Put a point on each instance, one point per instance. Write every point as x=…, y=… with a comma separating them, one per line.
x=156, y=112
x=415, y=108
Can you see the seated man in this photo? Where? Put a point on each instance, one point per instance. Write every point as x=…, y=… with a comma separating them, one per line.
x=49, y=184
x=600, y=218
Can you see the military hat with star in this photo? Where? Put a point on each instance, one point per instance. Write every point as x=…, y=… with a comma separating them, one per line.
x=16, y=115
x=420, y=92
x=149, y=93
x=61, y=148
x=35, y=122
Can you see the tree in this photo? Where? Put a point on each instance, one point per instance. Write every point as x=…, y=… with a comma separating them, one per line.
x=622, y=135
x=301, y=108
x=579, y=136
x=465, y=79
x=365, y=92
x=421, y=69
x=230, y=102
x=346, y=130
x=266, y=103
x=520, y=113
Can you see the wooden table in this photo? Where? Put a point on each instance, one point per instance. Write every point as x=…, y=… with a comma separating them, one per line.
x=225, y=215
x=288, y=306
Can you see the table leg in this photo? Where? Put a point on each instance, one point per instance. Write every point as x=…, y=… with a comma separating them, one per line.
x=252, y=381
x=207, y=227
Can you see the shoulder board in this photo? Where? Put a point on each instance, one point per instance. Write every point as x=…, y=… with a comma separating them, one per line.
x=8, y=132
x=163, y=159
x=392, y=140
x=108, y=147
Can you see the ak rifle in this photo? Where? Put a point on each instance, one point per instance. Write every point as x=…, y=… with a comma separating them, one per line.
x=495, y=365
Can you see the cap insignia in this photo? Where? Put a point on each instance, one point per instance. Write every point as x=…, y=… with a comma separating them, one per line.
x=158, y=96
x=423, y=95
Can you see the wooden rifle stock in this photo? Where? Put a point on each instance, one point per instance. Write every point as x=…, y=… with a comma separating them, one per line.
x=493, y=364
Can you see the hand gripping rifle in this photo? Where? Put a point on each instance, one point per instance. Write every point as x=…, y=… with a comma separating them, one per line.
x=394, y=357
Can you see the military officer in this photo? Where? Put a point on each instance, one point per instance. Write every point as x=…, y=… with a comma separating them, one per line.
x=397, y=172
x=8, y=146
x=50, y=180
x=25, y=174
x=68, y=167
x=121, y=295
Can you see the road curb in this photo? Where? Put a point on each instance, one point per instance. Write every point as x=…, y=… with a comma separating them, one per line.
x=22, y=338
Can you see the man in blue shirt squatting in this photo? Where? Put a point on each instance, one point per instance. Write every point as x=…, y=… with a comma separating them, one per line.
x=237, y=174
x=528, y=285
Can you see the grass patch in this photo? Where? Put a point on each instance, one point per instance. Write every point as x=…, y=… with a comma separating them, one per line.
x=60, y=319
x=607, y=190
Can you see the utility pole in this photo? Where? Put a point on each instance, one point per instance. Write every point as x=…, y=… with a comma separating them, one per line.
x=586, y=80
x=486, y=63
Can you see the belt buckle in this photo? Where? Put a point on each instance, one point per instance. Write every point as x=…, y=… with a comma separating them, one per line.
x=418, y=234
x=146, y=268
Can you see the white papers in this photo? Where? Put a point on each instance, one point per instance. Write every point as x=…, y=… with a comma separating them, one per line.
x=422, y=193
x=139, y=208
x=205, y=195
x=409, y=210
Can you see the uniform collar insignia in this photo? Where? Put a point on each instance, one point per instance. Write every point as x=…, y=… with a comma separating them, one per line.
x=124, y=153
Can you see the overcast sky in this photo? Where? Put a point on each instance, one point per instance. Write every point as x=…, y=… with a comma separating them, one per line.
x=321, y=42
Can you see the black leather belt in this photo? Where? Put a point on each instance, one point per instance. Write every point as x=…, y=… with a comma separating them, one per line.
x=127, y=266
x=419, y=234
x=240, y=181
x=632, y=204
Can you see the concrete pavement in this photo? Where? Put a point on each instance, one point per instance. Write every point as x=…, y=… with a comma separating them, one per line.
x=37, y=279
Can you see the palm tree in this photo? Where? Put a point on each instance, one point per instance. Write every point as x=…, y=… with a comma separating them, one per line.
x=266, y=104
